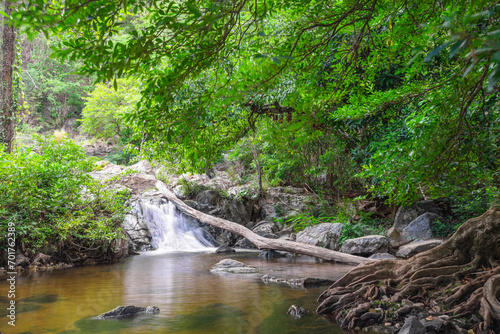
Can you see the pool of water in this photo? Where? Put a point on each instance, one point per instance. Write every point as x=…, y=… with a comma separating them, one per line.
x=190, y=298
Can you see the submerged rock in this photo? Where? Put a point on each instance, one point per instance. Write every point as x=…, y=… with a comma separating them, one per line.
x=296, y=311
x=127, y=311
x=225, y=249
x=234, y=267
x=308, y=282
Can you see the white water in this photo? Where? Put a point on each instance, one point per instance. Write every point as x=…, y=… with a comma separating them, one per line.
x=170, y=231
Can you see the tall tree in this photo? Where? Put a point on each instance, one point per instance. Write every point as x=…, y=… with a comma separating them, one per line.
x=7, y=107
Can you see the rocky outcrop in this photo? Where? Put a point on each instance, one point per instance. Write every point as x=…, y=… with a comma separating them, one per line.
x=127, y=312
x=366, y=245
x=137, y=230
x=233, y=267
x=416, y=247
x=325, y=235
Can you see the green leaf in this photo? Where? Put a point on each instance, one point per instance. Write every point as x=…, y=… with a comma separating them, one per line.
x=496, y=57
x=493, y=78
x=436, y=51
x=456, y=47
x=193, y=10
x=276, y=60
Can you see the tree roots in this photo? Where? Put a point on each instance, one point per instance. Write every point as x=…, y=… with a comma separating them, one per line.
x=458, y=281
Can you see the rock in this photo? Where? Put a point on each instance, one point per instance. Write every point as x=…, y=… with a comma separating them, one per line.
x=245, y=243
x=416, y=247
x=192, y=204
x=383, y=256
x=266, y=230
x=225, y=249
x=296, y=312
x=412, y=326
x=404, y=216
x=265, y=227
x=142, y=166
x=107, y=172
x=434, y=326
x=139, y=182
x=268, y=254
x=420, y=227
x=325, y=235
x=395, y=238
x=137, y=230
x=308, y=282
x=235, y=211
x=127, y=311
x=210, y=197
x=366, y=245
x=233, y=266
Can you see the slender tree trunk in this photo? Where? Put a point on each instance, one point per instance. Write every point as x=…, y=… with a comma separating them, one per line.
x=7, y=114
x=257, y=240
x=257, y=166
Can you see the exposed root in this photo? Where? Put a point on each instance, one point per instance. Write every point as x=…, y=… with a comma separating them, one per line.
x=449, y=279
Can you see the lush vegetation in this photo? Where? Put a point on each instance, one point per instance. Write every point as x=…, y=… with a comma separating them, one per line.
x=57, y=208
x=402, y=95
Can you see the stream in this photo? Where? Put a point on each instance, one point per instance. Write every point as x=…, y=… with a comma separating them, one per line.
x=190, y=298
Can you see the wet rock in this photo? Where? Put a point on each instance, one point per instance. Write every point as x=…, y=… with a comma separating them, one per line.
x=268, y=254
x=383, y=256
x=404, y=216
x=420, y=227
x=127, y=311
x=325, y=235
x=120, y=249
x=308, y=282
x=233, y=266
x=412, y=326
x=296, y=312
x=416, y=247
x=137, y=230
x=225, y=249
x=366, y=245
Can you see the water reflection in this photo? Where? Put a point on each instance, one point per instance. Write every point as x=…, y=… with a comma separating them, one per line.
x=190, y=298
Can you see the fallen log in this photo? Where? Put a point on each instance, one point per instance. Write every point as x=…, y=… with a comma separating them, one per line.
x=257, y=240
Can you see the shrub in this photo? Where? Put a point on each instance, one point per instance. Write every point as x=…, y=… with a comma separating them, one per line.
x=46, y=192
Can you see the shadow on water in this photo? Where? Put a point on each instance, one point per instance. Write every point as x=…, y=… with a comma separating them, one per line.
x=41, y=299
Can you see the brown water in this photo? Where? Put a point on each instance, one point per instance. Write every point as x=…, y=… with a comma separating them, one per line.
x=190, y=298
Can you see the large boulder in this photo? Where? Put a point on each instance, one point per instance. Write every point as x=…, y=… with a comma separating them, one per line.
x=395, y=238
x=366, y=245
x=233, y=266
x=420, y=227
x=126, y=312
x=325, y=235
x=404, y=216
x=416, y=247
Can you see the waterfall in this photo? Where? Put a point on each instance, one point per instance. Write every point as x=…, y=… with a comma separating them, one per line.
x=171, y=231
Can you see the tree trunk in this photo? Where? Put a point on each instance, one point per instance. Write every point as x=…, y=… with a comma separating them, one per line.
x=257, y=240
x=7, y=112
x=461, y=276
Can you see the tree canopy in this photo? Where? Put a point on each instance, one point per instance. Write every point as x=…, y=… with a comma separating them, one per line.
x=407, y=90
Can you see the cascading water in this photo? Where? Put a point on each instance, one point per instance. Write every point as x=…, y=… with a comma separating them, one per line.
x=171, y=231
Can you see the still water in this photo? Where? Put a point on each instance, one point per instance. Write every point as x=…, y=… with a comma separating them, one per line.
x=190, y=298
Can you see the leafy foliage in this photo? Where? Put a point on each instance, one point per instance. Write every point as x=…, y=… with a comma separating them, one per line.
x=53, y=203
